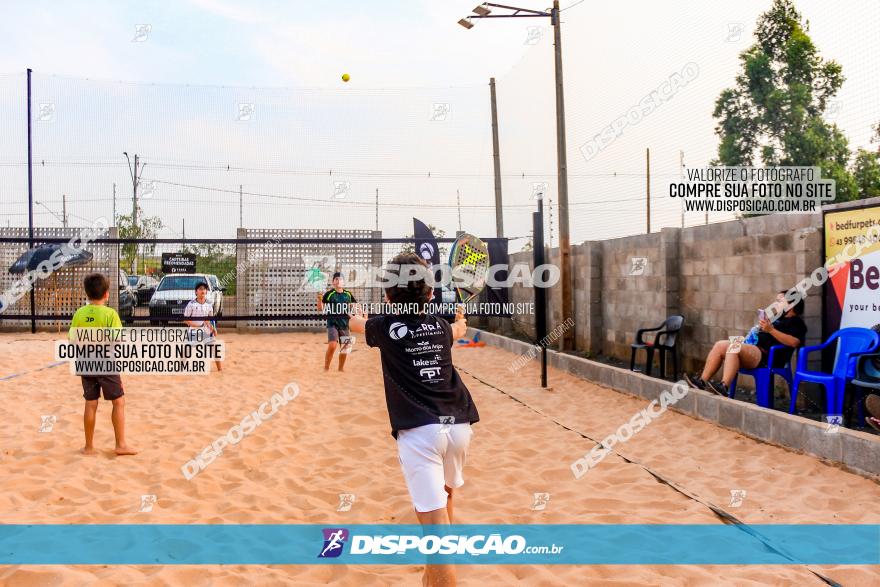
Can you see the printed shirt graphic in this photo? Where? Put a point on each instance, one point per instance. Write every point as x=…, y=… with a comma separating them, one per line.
x=421, y=384
x=336, y=306
x=94, y=316
x=196, y=310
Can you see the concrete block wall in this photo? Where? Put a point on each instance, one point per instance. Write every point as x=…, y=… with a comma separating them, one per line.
x=853, y=450
x=524, y=325
x=716, y=276
x=631, y=301
x=729, y=270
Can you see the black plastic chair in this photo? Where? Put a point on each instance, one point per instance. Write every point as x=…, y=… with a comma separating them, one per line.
x=867, y=378
x=664, y=341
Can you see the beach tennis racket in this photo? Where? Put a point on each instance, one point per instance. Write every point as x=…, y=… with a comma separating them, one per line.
x=469, y=261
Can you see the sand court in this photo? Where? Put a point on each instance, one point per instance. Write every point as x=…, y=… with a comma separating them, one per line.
x=332, y=440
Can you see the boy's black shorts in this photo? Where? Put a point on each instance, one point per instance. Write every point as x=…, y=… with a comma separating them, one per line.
x=111, y=385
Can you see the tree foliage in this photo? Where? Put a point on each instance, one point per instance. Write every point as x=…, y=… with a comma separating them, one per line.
x=146, y=227
x=773, y=116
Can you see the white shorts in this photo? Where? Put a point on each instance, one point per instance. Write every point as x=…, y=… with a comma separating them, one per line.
x=432, y=456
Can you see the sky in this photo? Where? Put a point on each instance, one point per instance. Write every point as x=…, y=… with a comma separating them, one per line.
x=216, y=94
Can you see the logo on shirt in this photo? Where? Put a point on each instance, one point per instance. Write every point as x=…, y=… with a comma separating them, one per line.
x=425, y=346
x=427, y=362
x=430, y=374
x=398, y=330
x=426, y=329
x=334, y=540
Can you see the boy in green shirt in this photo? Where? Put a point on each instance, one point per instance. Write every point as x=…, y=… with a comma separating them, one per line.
x=96, y=314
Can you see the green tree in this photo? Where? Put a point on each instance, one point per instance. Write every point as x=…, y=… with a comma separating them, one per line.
x=774, y=112
x=216, y=259
x=866, y=169
x=147, y=227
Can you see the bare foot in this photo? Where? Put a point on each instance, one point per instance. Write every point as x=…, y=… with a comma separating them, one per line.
x=88, y=451
x=125, y=450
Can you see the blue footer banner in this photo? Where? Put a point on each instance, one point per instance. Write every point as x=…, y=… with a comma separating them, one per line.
x=533, y=544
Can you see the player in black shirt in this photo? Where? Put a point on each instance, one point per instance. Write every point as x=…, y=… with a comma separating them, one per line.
x=789, y=330
x=430, y=408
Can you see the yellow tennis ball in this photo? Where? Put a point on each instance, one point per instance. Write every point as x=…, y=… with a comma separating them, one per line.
x=345, y=77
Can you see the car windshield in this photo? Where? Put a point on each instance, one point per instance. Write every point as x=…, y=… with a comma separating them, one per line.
x=132, y=280
x=180, y=282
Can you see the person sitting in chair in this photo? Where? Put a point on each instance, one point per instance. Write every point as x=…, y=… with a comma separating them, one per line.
x=789, y=330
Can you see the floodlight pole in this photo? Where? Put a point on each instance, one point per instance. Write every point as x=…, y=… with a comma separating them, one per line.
x=565, y=270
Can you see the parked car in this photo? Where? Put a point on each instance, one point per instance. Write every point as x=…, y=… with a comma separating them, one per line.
x=176, y=290
x=127, y=298
x=144, y=286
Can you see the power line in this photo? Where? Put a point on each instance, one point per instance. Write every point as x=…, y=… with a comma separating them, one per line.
x=320, y=202
x=427, y=174
x=362, y=203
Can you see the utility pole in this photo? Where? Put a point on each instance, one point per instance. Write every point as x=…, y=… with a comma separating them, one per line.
x=114, y=203
x=64, y=210
x=550, y=218
x=377, y=209
x=496, y=162
x=562, y=184
x=183, y=227
x=134, y=208
x=240, y=207
x=135, y=179
x=458, y=205
x=648, y=188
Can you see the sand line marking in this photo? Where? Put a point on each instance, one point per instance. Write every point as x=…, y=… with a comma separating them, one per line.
x=726, y=517
x=49, y=366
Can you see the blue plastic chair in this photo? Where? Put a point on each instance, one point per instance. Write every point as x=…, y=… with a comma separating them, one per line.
x=867, y=380
x=851, y=342
x=764, y=378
